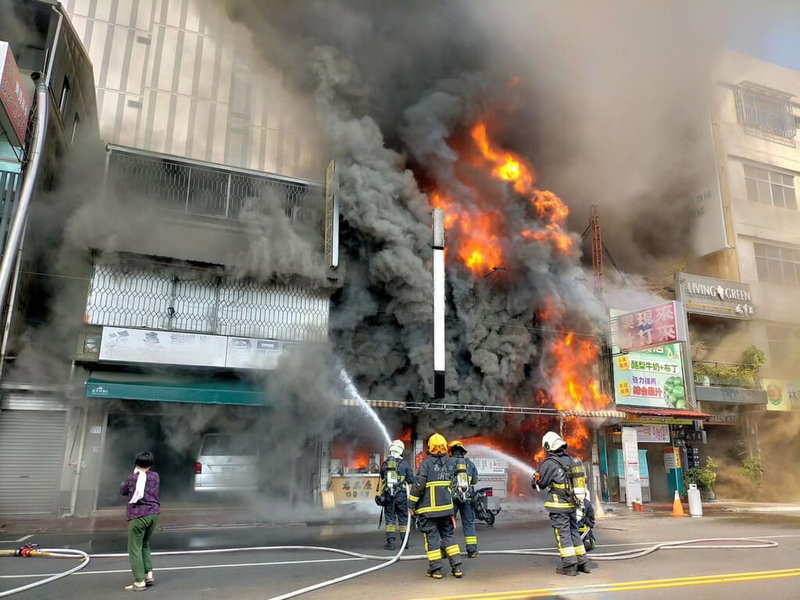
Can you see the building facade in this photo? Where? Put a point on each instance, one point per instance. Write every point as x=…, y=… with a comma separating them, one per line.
x=194, y=251
x=38, y=420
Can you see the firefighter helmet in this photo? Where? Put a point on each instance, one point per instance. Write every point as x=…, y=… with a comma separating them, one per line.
x=396, y=448
x=457, y=444
x=552, y=442
x=437, y=444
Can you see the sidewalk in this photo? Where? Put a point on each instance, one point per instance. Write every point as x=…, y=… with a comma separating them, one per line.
x=207, y=517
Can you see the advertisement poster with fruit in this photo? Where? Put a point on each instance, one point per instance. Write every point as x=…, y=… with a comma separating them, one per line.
x=651, y=378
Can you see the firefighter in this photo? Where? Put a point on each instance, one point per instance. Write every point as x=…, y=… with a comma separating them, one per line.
x=431, y=500
x=395, y=473
x=554, y=475
x=465, y=477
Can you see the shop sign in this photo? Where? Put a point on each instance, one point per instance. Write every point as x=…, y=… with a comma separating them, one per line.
x=630, y=457
x=654, y=434
x=157, y=346
x=14, y=101
x=722, y=420
x=653, y=326
x=781, y=394
x=653, y=420
x=355, y=488
x=651, y=378
x=714, y=297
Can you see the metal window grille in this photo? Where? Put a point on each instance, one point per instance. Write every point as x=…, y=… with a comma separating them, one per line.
x=766, y=113
x=202, y=301
x=208, y=191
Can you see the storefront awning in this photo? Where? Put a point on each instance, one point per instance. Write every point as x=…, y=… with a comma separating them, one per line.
x=197, y=392
x=665, y=412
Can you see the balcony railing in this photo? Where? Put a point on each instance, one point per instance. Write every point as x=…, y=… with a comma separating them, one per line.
x=209, y=190
x=720, y=374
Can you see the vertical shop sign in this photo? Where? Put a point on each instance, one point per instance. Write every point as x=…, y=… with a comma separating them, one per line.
x=630, y=457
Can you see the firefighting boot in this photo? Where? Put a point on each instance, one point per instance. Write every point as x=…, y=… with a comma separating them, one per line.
x=436, y=574
x=457, y=572
x=473, y=554
x=584, y=567
x=570, y=571
x=389, y=545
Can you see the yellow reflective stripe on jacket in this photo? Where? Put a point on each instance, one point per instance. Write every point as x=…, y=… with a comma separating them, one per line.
x=413, y=498
x=560, y=486
x=436, y=508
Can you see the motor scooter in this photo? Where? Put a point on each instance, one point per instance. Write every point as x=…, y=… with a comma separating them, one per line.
x=480, y=504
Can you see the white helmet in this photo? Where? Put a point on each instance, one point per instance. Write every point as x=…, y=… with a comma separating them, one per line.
x=552, y=442
x=396, y=448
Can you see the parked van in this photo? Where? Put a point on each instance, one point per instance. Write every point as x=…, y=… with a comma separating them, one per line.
x=227, y=462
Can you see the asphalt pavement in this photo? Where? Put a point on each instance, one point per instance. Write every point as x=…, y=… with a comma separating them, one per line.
x=262, y=574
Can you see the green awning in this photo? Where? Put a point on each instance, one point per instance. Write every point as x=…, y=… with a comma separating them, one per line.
x=197, y=392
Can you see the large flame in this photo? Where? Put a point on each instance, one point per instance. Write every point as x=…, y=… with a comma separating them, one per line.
x=478, y=230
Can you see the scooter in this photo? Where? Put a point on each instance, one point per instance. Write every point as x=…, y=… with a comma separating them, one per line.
x=480, y=503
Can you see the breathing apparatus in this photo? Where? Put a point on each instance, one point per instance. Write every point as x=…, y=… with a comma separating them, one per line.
x=392, y=480
x=460, y=486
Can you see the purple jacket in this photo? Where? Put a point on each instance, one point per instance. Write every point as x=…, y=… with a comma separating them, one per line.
x=150, y=503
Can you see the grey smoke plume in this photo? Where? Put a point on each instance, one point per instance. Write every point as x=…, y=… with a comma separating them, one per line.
x=605, y=99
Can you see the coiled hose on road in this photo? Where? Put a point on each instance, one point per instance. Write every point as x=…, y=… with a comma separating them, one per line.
x=31, y=551
x=697, y=544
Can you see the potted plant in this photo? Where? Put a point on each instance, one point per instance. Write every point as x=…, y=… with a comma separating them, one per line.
x=704, y=478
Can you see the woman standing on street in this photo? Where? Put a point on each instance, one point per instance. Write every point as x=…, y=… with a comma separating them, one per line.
x=142, y=489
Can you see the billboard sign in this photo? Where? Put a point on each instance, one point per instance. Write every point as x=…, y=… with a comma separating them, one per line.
x=714, y=297
x=782, y=395
x=190, y=349
x=650, y=378
x=653, y=326
x=15, y=105
x=709, y=234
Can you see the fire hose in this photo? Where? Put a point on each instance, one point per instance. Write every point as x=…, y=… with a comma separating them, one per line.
x=33, y=551
x=696, y=544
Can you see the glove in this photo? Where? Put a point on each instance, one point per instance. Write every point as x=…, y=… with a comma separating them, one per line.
x=535, y=481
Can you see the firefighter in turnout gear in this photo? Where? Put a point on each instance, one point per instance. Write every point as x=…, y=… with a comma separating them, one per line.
x=464, y=479
x=395, y=473
x=554, y=475
x=432, y=501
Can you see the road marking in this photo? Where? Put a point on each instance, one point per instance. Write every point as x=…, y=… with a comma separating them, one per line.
x=22, y=539
x=626, y=586
x=190, y=567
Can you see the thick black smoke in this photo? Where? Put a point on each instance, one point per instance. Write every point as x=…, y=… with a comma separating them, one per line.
x=606, y=99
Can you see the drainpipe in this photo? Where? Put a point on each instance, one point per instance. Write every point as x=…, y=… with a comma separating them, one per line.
x=29, y=181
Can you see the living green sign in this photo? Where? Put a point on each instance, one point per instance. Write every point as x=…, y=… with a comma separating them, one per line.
x=652, y=378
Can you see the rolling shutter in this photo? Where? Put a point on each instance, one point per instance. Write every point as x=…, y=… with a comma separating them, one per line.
x=31, y=458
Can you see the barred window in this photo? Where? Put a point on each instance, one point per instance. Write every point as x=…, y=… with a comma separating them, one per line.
x=770, y=187
x=777, y=264
x=765, y=111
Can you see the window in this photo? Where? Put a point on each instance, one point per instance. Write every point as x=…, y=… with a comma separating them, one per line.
x=64, y=100
x=777, y=264
x=770, y=187
x=75, y=124
x=766, y=112
x=783, y=343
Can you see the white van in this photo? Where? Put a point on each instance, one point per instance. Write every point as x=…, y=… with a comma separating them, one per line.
x=227, y=462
